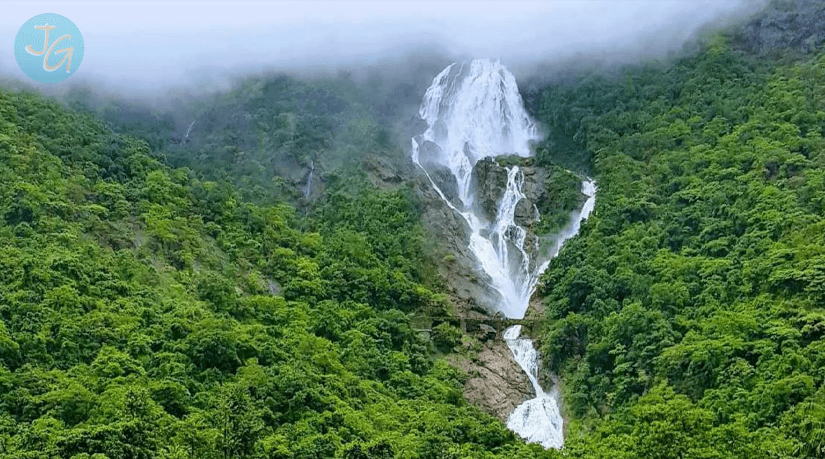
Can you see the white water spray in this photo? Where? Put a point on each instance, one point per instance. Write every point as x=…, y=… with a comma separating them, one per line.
x=474, y=110
x=537, y=420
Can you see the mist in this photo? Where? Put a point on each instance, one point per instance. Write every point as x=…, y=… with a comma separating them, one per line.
x=155, y=46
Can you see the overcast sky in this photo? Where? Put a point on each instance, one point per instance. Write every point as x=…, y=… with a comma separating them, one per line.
x=164, y=43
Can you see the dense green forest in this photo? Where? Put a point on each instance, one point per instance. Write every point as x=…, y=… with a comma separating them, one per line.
x=172, y=296
x=687, y=319
x=147, y=313
x=265, y=133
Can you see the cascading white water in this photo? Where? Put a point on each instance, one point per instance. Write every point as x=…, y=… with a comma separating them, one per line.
x=308, y=188
x=474, y=110
x=537, y=420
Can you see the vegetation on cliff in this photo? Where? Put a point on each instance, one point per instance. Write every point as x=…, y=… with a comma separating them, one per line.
x=162, y=297
x=145, y=313
x=687, y=317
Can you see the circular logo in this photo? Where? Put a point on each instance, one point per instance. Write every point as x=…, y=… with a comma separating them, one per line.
x=48, y=48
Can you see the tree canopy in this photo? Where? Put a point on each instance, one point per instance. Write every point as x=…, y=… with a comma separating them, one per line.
x=686, y=319
x=146, y=313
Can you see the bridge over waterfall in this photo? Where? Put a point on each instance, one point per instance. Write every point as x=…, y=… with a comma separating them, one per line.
x=471, y=323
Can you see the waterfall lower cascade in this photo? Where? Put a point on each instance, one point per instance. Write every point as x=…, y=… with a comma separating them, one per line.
x=473, y=110
x=537, y=420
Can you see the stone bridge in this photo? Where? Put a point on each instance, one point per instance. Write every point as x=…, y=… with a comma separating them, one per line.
x=469, y=324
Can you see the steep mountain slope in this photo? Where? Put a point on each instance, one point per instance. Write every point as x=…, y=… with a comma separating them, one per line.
x=784, y=27
x=281, y=137
x=147, y=314
x=154, y=312
x=686, y=319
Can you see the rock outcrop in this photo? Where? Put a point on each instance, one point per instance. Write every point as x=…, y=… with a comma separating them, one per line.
x=497, y=384
x=487, y=332
x=469, y=285
x=535, y=192
x=785, y=24
x=488, y=183
x=383, y=173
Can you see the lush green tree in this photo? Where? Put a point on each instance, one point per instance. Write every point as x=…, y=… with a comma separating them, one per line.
x=145, y=313
x=684, y=318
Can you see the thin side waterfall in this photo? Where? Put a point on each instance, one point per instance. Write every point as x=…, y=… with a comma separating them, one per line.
x=308, y=188
x=473, y=110
x=186, y=136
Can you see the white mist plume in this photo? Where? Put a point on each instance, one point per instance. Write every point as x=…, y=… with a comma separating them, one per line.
x=172, y=43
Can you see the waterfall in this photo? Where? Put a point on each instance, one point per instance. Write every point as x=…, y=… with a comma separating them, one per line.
x=537, y=420
x=473, y=110
x=308, y=188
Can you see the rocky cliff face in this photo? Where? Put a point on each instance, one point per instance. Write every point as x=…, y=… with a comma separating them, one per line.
x=496, y=383
x=785, y=25
x=489, y=183
x=535, y=191
x=469, y=285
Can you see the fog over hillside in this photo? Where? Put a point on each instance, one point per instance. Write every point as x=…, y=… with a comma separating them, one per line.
x=139, y=45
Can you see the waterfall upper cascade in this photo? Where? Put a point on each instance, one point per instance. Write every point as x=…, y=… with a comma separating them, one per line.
x=473, y=110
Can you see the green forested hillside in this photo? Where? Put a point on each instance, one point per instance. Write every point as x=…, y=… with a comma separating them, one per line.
x=147, y=314
x=688, y=317
x=265, y=133
x=161, y=299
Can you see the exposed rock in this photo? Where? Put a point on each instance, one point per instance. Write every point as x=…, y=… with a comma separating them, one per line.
x=428, y=152
x=313, y=185
x=531, y=246
x=487, y=332
x=526, y=213
x=446, y=182
x=469, y=285
x=383, y=173
x=291, y=169
x=535, y=183
x=488, y=182
x=497, y=384
x=785, y=24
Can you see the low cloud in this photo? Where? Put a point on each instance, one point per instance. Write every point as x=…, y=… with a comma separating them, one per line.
x=157, y=45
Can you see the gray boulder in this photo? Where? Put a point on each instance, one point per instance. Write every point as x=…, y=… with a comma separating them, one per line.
x=487, y=332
